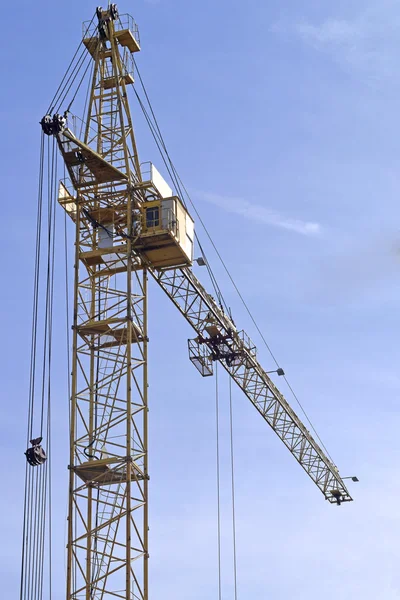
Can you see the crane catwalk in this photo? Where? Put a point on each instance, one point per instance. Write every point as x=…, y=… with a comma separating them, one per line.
x=129, y=227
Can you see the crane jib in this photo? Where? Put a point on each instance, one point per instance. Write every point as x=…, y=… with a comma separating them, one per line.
x=201, y=311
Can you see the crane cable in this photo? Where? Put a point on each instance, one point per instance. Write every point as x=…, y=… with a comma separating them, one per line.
x=233, y=490
x=218, y=483
x=66, y=85
x=36, y=552
x=159, y=140
x=170, y=169
x=31, y=477
x=213, y=279
x=156, y=132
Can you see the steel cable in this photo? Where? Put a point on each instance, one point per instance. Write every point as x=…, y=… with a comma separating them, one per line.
x=233, y=489
x=58, y=92
x=180, y=184
x=85, y=56
x=27, y=523
x=172, y=173
x=218, y=482
x=36, y=554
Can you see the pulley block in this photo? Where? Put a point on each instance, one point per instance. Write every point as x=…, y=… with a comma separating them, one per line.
x=52, y=125
x=36, y=455
x=113, y=12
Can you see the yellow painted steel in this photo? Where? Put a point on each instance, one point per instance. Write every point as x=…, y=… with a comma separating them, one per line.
x=107, y=511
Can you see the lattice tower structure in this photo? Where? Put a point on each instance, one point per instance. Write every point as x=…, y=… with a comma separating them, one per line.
x=107, y=513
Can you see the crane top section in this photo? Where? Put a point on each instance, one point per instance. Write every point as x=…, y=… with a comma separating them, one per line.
x=124, y=30
x=111, y=29
x=123, y=200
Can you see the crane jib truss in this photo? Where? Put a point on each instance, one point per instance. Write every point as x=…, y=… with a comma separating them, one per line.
x=199, y=308
x=129, y=225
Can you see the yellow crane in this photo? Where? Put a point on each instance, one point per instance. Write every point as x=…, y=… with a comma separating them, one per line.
x=129, y=226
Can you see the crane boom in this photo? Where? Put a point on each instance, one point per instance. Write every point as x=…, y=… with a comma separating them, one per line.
x=219, y=340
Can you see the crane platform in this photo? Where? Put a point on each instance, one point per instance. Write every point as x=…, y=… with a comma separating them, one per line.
x=106, y=471
x=109, y=332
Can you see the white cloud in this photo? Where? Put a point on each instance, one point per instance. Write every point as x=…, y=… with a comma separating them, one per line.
x=262, y=215
x=368, y=42
x=330, y=32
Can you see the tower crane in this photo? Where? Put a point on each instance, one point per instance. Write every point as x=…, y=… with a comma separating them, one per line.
x=130, y=226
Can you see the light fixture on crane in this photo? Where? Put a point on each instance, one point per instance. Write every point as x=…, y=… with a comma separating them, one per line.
x=279, y=371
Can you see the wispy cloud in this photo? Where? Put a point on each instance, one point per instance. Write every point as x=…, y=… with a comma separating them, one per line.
x=330, y=32
x=260, y=214
x=369, y=42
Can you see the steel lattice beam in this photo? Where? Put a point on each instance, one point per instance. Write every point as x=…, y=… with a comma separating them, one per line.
x=107, y=548
x=199, y=308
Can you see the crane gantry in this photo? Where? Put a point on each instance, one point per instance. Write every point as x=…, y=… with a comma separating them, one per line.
x=129, y=225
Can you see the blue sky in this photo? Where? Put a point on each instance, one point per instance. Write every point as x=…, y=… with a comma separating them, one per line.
x=282, y=119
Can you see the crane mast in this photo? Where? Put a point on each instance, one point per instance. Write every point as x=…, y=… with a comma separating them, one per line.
x=129, y=225
x=107, y=516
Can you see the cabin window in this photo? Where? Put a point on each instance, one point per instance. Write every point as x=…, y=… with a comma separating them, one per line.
x=153, y=216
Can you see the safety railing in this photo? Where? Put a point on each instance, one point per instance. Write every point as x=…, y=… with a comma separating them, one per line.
x=90, y=28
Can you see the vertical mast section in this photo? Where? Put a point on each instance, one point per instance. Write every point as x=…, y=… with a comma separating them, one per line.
x=107, y=517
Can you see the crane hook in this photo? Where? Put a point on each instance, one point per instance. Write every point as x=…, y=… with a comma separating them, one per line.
x=36, y=455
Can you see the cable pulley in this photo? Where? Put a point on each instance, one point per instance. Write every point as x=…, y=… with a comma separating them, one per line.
x=36, y=455
x=113, y=10
x=104, y=17
x=52, y=125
